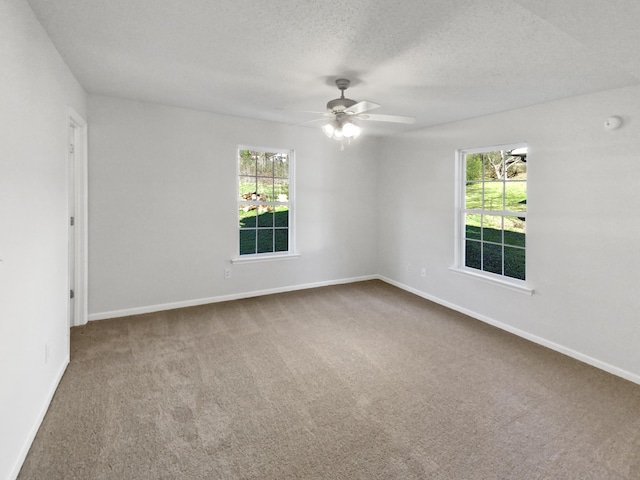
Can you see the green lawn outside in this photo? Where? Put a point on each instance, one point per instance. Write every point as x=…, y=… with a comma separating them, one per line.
x=515, y=200
x=495, y=231
x=515, y=195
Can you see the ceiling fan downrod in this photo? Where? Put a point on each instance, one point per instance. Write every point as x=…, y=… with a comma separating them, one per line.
x=342, y=103
x=342, y=84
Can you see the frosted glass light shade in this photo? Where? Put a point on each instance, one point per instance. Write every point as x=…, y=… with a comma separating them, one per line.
x=328, y=129
x=351, y=129
x=341, y=128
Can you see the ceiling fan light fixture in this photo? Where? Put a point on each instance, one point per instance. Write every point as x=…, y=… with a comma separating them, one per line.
x=343, y=112
x=328, y=129
x=351, y=129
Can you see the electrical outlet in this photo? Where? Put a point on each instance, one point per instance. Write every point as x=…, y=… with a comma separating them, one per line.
x=423, y=272
x=227, y=273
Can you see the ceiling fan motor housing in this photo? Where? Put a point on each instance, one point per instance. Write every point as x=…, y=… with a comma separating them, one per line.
x=340, y=104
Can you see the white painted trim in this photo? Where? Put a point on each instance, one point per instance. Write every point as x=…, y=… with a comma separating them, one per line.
x=13, y=473
x=594, y=362
x=81, y=217
x=264, y=257
x=223, y=298
x=498, y=280
x=492, y=148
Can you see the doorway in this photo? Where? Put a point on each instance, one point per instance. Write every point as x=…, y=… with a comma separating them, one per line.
x=77, y=218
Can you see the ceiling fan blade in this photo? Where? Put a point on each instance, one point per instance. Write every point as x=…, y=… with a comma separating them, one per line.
x=325, y=113
x=309, y=122
x=362, y=106
x=388, y=118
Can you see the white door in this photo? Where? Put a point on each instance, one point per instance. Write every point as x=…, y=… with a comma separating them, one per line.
x=72, y=213
x=77, y=220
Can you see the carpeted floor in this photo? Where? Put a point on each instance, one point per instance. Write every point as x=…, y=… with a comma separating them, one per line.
x=359, y=381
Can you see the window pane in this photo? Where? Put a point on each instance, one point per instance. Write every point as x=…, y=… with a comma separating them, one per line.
x=493, y=195
x=263, y=213
x=282, y=240
x=492, y=165
x=492, y=228
x=472, y=226
x=517, y=169
x=265, y=164
x=247, y=242
x=247, y=216
x=514, y=231
x=473, y=165
x=281, y=217
x=515, y=196
x=495, y=183
x=247, y=163
x=265, y=218
x=281, y=166
x=281, y=189
x=265, y=189
x=247, y=186
x=514, y=262
x=472, y=255
x=473, y=195
x=265, y=240
x=492, y=258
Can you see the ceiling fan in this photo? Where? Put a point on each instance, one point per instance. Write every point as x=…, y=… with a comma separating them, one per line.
x=343, y=113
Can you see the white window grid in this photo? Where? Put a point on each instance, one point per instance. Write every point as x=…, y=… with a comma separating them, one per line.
x=289, y=203
x=461, y=233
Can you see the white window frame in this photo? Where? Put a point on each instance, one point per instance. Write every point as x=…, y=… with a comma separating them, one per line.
x=290, y=203
x=460, y=230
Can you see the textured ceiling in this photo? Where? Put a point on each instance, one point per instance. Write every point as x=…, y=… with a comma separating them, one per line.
x=436, y=60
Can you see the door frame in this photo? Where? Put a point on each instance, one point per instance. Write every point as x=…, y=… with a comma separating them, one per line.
x=79, y=176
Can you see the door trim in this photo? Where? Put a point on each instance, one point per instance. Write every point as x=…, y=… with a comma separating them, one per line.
x=80, y=231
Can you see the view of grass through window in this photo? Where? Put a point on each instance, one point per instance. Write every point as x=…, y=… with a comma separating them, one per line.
x=495, y=211
x=263, y=204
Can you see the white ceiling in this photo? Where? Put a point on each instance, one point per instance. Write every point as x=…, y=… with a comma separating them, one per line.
x=436, y=60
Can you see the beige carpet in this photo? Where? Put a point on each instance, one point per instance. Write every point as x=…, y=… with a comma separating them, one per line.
x=360, y=381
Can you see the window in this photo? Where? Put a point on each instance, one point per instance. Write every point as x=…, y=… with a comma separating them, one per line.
x=493, y=212
x=265, y=185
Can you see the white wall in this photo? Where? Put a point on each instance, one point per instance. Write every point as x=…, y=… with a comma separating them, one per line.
x=583, y=257
x=35, y=89
x=163, y=214
x=162, y=218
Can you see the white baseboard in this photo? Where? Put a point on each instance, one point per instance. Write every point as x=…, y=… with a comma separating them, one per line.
x=223, y=298
x=594, y=362
x=13, y=474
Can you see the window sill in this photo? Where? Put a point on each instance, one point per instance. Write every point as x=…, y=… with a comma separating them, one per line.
x=511, y=285
x=264, y=258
